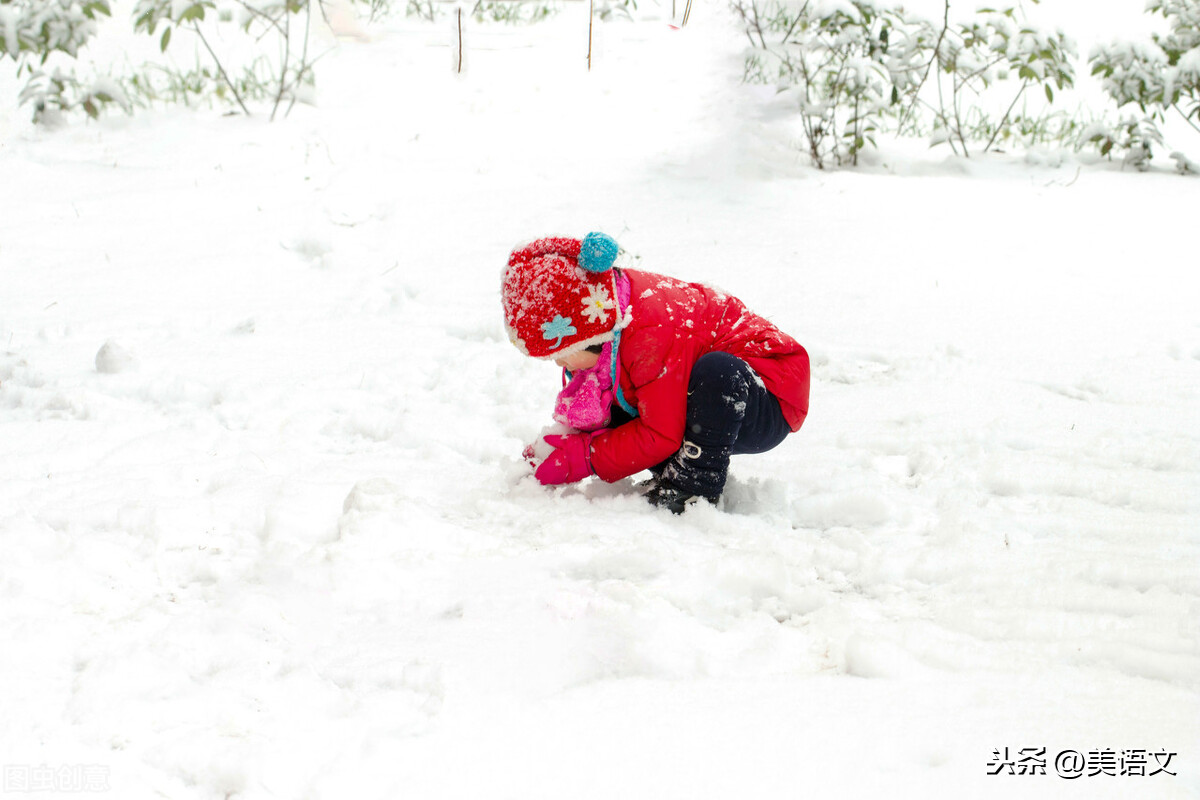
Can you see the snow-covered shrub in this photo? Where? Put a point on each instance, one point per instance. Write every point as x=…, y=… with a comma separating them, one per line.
x=42, y=27
x=857, y=66
x=53, y=93
x=1133, y=137
x=36, y=34
x=513, y=12
x=1157, y=77
x=615, y=9
x=270, y=62
x=846, y=62
x=1056, y=128
x=975, y=57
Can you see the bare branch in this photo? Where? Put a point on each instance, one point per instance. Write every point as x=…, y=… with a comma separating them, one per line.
x=220, y=68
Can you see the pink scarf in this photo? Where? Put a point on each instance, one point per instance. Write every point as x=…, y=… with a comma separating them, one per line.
x=585, y=403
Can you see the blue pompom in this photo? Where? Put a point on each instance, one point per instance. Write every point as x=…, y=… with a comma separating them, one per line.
x=598, y=252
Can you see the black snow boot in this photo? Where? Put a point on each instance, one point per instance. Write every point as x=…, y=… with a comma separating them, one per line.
x=686, y=477
x=656, y=473
x=666, y=494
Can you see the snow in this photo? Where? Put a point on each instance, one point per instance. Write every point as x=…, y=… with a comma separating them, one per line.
x=8, y=21
x=266, y=530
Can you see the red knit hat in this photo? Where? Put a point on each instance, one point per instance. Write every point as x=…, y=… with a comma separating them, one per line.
x=560, y=295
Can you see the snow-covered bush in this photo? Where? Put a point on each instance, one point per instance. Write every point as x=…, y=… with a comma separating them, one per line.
x=1157, y=77
x=243, y=70
x=846, y=63
x=38, y=35
x=508, y=11
x=857, y=66
x=976, y=56
x=512, y=12
x=42, y=27
x=615, y=9
x=1132, y=136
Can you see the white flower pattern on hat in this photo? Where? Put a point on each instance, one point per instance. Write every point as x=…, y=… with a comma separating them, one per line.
x=597, y=303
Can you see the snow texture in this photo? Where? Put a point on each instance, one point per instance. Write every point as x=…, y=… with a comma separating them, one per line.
x=297, y=553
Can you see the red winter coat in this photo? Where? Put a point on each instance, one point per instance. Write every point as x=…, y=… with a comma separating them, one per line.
x=673, y=324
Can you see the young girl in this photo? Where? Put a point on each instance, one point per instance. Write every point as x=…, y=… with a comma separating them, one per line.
x=659, y=374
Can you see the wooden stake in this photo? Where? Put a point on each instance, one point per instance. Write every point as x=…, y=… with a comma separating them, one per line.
x=460, y=42
x=591, y=22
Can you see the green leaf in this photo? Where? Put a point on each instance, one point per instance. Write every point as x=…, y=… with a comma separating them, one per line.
x=195, y=12
x=1049, y=93
x=166, y=39
x=96, y=7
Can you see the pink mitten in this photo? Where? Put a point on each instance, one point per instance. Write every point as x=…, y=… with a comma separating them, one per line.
x=570, y=461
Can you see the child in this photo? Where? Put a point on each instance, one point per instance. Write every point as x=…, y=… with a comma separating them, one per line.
x=659, y=374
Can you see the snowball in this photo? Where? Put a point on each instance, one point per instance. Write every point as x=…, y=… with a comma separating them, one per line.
x=113, y=358
x=538, y=451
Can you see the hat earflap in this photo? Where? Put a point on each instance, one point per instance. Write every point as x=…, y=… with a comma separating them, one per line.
x=597, y=252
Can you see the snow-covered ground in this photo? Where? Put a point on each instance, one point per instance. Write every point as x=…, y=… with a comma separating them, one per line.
x=277, y=541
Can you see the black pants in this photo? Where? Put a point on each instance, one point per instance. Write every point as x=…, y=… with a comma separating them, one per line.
x=729, y=412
